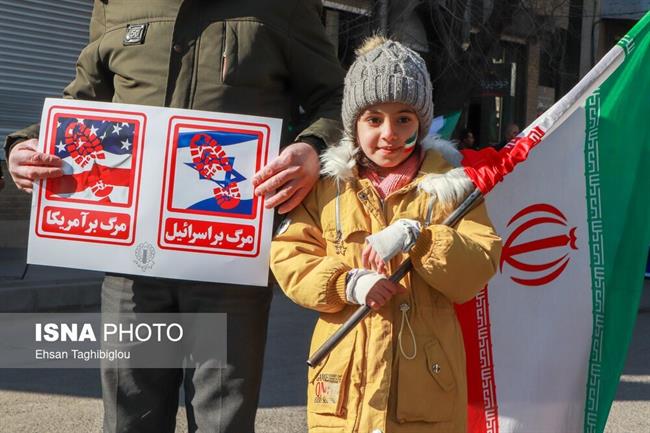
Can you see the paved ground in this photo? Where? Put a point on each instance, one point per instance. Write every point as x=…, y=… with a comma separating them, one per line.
x=58, y=401
x=66, y=400
x=40, y=288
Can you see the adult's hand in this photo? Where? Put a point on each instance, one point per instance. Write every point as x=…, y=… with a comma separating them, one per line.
x=287, y=179
x=27, y=165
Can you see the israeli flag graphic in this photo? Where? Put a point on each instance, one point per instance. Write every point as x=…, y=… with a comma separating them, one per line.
x=213, y=171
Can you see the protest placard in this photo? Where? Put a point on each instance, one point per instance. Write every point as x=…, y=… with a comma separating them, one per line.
x=154, y=191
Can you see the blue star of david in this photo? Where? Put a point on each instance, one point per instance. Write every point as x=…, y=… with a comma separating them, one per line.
x=230, y=176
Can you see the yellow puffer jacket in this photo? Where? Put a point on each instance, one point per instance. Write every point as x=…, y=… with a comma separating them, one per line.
x=403, y=368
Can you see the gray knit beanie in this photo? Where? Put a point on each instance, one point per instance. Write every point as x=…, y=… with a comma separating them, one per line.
x=387, y=71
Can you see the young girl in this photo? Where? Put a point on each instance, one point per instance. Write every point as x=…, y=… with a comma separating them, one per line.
x=383, y=197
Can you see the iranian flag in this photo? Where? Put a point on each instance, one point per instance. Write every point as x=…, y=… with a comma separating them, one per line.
x=547, y=339
x=444, y=125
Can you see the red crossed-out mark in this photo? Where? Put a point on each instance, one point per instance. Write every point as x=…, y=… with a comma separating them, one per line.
x=83, y=145
x=552, y=215
x=208, y=157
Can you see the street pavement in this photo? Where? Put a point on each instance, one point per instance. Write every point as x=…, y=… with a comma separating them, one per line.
x=69, y=400
x=64, y=400
x=43, y=288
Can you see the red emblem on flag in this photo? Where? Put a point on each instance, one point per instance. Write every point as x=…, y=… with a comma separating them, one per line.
x=558, y=244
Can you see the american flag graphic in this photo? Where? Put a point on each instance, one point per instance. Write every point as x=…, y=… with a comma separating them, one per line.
x=97, y=160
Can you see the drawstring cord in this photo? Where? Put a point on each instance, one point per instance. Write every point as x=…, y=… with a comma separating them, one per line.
x=404, y=308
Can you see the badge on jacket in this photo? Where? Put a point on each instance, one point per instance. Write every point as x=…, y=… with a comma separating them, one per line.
x=327, y=388
x=134, y=34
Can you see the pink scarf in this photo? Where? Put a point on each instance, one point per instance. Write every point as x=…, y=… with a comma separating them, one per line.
x=398, y=176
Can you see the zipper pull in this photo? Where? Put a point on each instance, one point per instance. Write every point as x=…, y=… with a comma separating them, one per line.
x=224, y=65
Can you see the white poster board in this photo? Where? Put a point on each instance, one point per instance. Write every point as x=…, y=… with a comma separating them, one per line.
x=154, y=191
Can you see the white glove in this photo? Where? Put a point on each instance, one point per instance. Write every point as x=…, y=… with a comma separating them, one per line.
x=399, y=236
x=359, y=283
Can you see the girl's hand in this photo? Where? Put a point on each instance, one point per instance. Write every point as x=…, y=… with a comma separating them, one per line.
x=398, y=237
x=382, y=291
x=372, y=260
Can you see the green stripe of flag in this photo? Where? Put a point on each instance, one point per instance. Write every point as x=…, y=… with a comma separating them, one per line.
x=617, y=154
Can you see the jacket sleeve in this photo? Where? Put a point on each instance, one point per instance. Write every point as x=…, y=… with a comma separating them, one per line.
x=301, y=266
x=92, y=80
x=458, y=262
x=317, y=75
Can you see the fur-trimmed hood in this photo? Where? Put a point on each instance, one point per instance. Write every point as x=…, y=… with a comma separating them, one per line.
x=450, y=188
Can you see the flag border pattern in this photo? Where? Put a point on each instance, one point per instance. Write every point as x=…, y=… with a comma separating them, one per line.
x=486, y=362
x=597, y=259
x=627, y=43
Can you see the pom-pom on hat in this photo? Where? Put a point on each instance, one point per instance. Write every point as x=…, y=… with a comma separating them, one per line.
x=387, y=71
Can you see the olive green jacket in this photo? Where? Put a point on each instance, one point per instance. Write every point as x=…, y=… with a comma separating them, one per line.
x=254, y=57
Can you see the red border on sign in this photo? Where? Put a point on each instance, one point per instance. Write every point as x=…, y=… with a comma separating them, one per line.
x=261, y=160
x=170, y=185
x=89, y=237
x=135, y=189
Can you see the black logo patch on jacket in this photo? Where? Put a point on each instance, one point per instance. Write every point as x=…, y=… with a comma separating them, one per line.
x=134, y=34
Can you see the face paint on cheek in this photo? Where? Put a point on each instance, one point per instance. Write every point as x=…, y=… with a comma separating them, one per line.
x=409, y=144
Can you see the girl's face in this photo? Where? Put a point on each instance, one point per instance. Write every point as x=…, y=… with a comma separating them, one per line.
x=387, y=133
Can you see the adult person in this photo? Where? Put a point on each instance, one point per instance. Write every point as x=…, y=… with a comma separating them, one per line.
x=512, y=130
x=238, y=56
x=467, y=140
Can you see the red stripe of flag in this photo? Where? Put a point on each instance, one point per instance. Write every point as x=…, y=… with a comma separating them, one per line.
x=482, y=408
x=81, y=181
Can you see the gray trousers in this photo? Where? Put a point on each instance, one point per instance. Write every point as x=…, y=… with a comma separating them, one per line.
x=217, y=400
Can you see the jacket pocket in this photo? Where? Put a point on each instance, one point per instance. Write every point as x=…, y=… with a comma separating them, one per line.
x=329, y=382
x=426, y=388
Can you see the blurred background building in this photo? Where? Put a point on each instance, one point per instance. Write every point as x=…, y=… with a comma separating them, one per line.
x=496, y=62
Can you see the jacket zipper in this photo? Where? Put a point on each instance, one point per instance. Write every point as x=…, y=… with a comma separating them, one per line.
x=224, y=65
x=224, y=55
